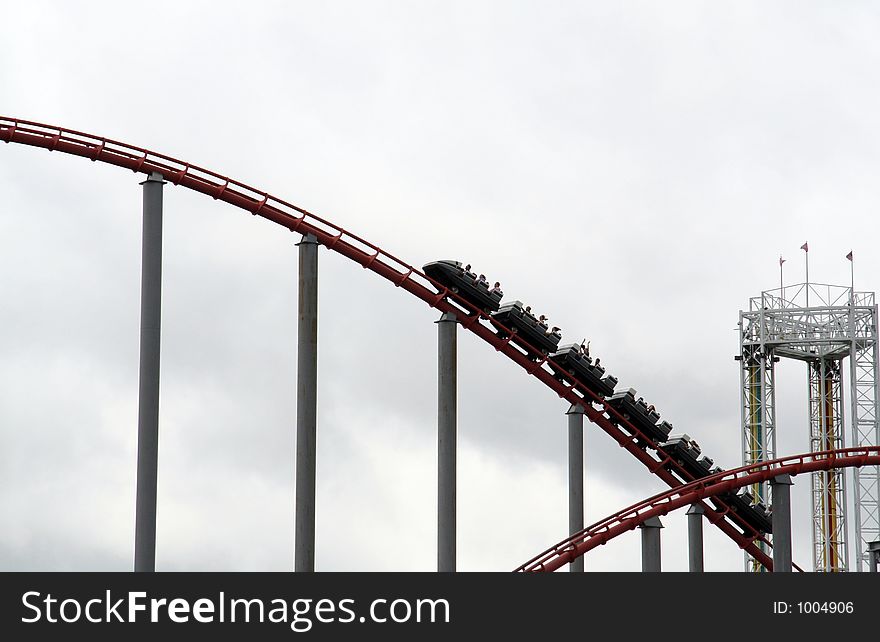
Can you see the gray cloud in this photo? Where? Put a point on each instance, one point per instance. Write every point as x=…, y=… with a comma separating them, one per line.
x=633, y=172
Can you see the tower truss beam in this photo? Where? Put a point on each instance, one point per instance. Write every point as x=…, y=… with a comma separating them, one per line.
x=827, y=488
x=758, y=407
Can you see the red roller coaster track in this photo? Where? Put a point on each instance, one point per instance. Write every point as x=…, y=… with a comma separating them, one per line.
x=371, y=257
x=629, y=518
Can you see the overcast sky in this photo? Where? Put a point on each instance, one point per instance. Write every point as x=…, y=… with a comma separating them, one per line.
x=631, y=169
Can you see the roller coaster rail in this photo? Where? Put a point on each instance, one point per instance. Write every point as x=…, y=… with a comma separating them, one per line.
x=697, y=491
x=373, y=258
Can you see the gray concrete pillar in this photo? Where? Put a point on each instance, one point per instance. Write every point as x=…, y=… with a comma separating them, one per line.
x=576, y=478
x=447, y=413
x=148, y=385
x=695, y=538
x=874, y=556
x=306, y=404
x=651, y=545
x=780, y=489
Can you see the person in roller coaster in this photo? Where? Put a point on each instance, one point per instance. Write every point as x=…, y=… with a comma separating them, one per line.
x=496, y=288
x=482, y=282
x=554, y=332
x=651, y=408
x=598, y=362
x=585, y=348
x=465, y=273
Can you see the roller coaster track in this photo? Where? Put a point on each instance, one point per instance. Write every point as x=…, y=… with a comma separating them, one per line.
x=629, y=518
x=373, y=258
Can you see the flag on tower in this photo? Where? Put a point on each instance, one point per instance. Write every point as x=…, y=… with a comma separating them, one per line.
x=805, y=248
x=849, y=256
x=781, y=260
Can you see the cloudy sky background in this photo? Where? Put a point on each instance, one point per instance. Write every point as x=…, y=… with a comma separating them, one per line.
x=633, y=170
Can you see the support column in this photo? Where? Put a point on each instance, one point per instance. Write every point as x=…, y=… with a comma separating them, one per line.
x=874, y=556
x=780, y=488
x=651, y=545
x=576, y=478
x=447, y=412
x=695, y=538
x=148, y=386
x=306, y=404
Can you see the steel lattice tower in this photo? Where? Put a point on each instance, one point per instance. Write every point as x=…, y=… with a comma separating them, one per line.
x=820, y=325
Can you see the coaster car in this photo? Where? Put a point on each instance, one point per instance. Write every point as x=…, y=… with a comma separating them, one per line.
x=526, y=329
x=745, y=511
x=686, y=452
x=568, y=361
x=465, y=284
x=636, y=412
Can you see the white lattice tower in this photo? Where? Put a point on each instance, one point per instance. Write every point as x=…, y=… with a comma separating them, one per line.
x=821, y=325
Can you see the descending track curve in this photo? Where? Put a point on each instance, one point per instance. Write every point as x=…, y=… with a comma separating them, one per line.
x=631, y=517
x=371, y=257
